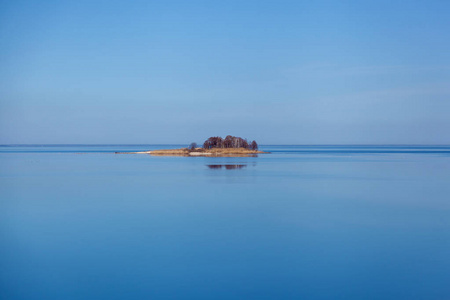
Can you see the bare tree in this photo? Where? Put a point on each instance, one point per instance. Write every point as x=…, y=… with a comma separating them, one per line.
x=192, y=146
x=245, y=144
x=207, y=144
x=228, y=142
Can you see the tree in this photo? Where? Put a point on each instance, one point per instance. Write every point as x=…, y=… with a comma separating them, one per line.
x=244, y=144
x=207, y=144
x=228, y=142
x=192, y=146
x=254, y=145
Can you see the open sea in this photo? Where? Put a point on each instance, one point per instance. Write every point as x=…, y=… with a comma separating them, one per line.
x=304, y=222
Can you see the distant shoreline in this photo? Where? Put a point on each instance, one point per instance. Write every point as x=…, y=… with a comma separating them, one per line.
x=214, y=152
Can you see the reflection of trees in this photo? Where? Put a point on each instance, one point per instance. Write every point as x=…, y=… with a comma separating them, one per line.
x=215, y=166
x=228, y=167
x=232, y=167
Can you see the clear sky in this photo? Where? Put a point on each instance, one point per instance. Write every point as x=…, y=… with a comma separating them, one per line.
x=280, y=72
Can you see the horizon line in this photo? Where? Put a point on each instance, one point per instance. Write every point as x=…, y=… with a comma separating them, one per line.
x=178, y=144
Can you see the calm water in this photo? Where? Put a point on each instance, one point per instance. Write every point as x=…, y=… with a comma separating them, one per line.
x=304, y=222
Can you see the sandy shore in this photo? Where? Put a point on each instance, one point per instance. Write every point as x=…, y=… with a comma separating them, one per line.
x=226, y=152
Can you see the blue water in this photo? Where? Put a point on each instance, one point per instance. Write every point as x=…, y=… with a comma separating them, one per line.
x=304, y=222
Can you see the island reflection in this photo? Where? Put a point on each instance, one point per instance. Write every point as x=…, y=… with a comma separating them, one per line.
x=228, y=167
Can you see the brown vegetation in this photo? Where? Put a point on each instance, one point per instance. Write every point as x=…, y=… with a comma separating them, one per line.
x=206, y=152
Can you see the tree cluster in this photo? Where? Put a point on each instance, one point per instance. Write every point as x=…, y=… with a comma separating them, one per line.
x=229, y=142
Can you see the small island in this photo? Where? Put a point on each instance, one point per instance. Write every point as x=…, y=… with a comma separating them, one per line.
x=230, y=146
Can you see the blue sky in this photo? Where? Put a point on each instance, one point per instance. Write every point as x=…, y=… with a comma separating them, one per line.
x=280, y=72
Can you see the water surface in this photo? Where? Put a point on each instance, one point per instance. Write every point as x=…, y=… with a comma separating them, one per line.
x=304, y=222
